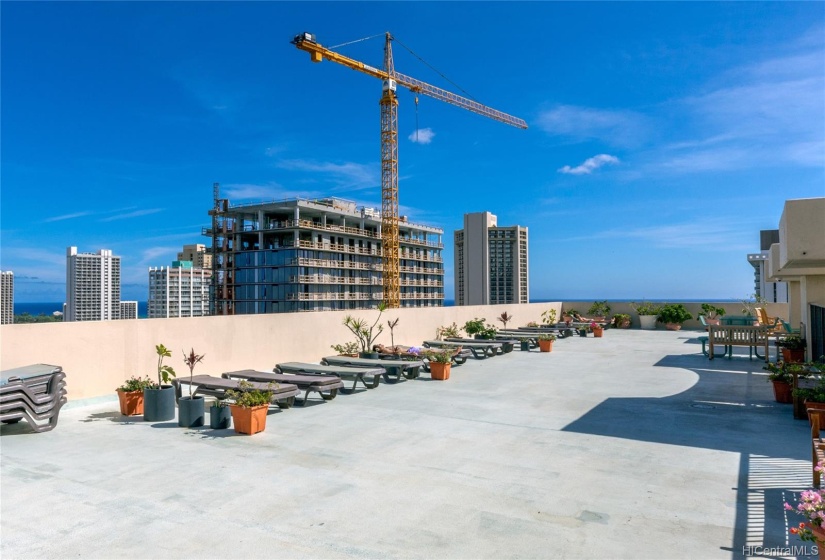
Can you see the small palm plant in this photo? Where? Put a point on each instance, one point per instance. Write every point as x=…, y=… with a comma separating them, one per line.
x=191, y=361
x=505, y=318
x=392, y=325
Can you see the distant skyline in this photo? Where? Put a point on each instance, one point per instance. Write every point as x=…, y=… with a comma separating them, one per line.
x=662, y=136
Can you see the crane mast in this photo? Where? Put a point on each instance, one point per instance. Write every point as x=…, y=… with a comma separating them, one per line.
x=389, y=142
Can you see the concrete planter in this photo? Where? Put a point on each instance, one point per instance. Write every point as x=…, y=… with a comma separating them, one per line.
x=190, y=412
x=648, y=322
x=220, y=417
x=159, y=404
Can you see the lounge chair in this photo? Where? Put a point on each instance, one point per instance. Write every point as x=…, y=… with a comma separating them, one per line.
x=399, y=352
x=479, y=349
x=33, y=393
x=325, y=385
x=393, y=369
x=507, y=344
x=356, y=375
x=283, y=394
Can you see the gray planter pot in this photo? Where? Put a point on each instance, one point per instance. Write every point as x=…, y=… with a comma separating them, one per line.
x=159, y=404
x=525, y=345
x=220, y=417
x=190, y=412
x=369, y=355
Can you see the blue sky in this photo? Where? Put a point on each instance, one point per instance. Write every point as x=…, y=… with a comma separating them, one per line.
x=662, y=136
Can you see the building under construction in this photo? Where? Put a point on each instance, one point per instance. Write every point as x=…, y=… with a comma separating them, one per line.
x=315, y=255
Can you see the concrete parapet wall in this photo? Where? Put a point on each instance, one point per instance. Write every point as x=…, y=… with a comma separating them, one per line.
x=98, y=356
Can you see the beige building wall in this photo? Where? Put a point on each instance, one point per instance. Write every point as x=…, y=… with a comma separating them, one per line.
x=799, y=259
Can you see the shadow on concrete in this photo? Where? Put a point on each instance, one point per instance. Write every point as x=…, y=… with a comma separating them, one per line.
x=19, y=428
x=115, y=417
x=730, y=408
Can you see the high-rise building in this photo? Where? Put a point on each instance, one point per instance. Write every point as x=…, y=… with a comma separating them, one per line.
x=772, y=292
x=128, y=309
x=490, y=262
x=92, y=286
x=197, y=255
x=6, y=297
x=180, y=290
x=316, y=255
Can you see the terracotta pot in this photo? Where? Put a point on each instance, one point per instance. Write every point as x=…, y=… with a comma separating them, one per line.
x=545, y=345
x=673, y=326
x=793, y=356
x=131, y=402
x=819, y=534
x=439, y=371
x=782, y=392
x=716, y=322
x=249, y=420
x=597, y=332
x=624, y=324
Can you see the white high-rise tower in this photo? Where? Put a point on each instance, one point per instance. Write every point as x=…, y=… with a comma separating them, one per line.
x=92, y=286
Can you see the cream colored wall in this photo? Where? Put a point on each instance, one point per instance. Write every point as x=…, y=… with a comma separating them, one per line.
x=98, y=356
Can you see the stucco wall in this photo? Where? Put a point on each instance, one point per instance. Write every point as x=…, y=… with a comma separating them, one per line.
x=98, y=356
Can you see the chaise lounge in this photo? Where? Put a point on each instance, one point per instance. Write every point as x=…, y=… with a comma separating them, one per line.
x=325, y=385
x=283, y=394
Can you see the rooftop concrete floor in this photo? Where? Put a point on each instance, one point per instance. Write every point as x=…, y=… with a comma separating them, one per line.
x=629, y=446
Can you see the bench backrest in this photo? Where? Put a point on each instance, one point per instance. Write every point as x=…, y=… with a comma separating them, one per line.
x=738, y=335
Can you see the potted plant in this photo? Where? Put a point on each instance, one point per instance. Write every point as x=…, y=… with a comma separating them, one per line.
x=569, y=315
x=597, y=329
x=392, y=325
x=711, y=313
x=533, y=324
x=474, y=327
x=190, y=409
x=621, y=321
x=488, y=332
x=548, y=318
x=599, y=310
x=130, y=395
x=793, y=348
x=583, y=330
x=811, y=506
x=546, y=342
x=220, y=415
x=366, y=335
x=504, y=318
x=159, y=399
x=782, y=380
x=249, y=407
x=450, y=331
x=812, y=397
x=648, y=312
x=673, y=315
x=347, y=349
x=440, y=363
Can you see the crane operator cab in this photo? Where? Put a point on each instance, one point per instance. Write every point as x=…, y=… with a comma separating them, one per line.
x=304, y=37
x=389, y=85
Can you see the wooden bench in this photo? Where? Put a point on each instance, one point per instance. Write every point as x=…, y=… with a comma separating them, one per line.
x=817, y=446
x=728, y=336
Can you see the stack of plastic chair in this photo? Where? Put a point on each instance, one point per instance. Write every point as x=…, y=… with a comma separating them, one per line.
x=33, y=393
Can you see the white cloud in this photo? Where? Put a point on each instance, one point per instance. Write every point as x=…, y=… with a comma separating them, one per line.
x=590, y=165
x=621, y=128
x=697, y=235
x=422, y=136
x=67, y=217
x=134, y=214
x=266, y=192
x=345, y=175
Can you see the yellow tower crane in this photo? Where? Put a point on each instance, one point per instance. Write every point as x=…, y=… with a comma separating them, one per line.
x=389, y=142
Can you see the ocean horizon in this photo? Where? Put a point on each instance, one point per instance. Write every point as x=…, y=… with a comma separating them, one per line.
x=36, y=308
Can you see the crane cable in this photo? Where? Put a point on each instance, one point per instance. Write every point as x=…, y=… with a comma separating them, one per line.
x=394, y=38
x=357, y=41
